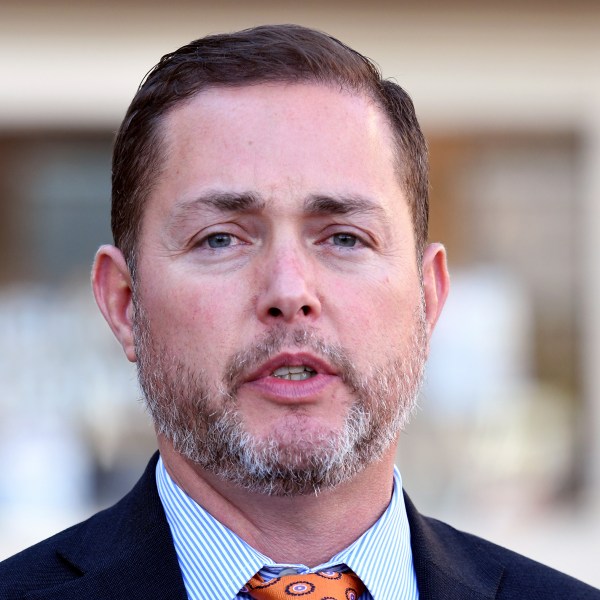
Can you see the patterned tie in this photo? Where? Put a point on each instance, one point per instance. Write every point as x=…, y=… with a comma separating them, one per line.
x=324, y=585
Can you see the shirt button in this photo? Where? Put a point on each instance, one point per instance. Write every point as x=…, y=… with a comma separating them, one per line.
x=288, y=571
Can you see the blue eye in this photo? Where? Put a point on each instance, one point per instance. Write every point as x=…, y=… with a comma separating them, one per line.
x=219, y=240
x=345, y=240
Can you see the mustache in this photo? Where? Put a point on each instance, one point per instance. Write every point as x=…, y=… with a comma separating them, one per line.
x=274, y=340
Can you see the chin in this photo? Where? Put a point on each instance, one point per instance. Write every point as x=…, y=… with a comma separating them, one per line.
x=300, y=432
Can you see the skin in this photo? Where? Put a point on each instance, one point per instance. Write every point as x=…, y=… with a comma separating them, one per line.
x=285, y=260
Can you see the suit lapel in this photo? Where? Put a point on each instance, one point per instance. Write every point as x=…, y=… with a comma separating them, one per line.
x=125, y=552
x=449, y=564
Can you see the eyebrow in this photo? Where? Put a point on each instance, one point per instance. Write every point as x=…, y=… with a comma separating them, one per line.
x=220, y=201
x=225, y=201
x=341, y=205
x=234, y=202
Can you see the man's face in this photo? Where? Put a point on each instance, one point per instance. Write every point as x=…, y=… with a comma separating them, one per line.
x=279, y=320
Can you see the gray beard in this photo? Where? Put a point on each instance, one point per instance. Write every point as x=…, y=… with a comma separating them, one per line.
x=204, y=425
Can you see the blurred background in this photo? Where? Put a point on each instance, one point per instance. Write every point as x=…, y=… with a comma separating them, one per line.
x=506, y=441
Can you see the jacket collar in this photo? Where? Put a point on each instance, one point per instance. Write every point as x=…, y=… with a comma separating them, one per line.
x=450, y=564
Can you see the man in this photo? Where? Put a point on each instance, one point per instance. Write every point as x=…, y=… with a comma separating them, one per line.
x=272, y=281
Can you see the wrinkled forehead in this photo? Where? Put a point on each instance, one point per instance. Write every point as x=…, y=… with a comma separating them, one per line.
x=277, y=142
x=254, y=118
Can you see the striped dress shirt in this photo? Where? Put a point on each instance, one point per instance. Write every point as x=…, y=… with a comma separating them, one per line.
x=215, y=563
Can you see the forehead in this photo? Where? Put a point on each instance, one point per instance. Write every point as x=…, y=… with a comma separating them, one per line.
x=279, y=141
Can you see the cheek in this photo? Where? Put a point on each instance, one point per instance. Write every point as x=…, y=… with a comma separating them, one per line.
x=376, y=313
x=189, y=316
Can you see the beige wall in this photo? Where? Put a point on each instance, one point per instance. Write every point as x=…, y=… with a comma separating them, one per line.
x=80, y=64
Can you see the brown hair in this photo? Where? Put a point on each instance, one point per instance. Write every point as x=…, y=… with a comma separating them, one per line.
x=270, y=53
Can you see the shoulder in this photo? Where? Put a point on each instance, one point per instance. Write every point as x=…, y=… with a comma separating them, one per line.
x=450, y=557
x=55, y=561
x=521, y=575
x=37, y=567
x=127, y=547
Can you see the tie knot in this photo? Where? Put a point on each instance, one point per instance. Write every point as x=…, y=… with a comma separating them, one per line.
x=323, y=585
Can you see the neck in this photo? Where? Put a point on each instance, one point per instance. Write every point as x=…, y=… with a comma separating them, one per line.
x=289, y=529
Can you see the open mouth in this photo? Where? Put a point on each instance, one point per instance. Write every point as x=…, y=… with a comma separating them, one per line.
x=295, y=373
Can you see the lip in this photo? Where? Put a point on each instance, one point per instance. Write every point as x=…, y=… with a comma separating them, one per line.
x=286, y=391
x=292, y=359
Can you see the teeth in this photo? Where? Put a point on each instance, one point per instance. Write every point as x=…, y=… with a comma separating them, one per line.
x=299, y=376
x=294, y=373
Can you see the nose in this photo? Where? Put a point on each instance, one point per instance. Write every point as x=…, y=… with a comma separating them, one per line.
x=289, y=291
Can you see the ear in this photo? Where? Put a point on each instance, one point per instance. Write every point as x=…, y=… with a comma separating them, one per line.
x=436, y=283
x=111, y=282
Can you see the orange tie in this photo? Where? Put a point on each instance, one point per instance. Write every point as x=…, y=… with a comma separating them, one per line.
x=324, y=585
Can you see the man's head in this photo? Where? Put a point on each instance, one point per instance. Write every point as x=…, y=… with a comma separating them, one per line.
x=282, y=305
x=275, y=54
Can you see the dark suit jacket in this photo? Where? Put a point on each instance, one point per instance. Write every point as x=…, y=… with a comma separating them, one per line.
x=126, y=553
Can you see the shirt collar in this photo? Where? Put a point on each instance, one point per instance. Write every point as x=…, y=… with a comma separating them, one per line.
x=215, y=562
x=382, y=556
